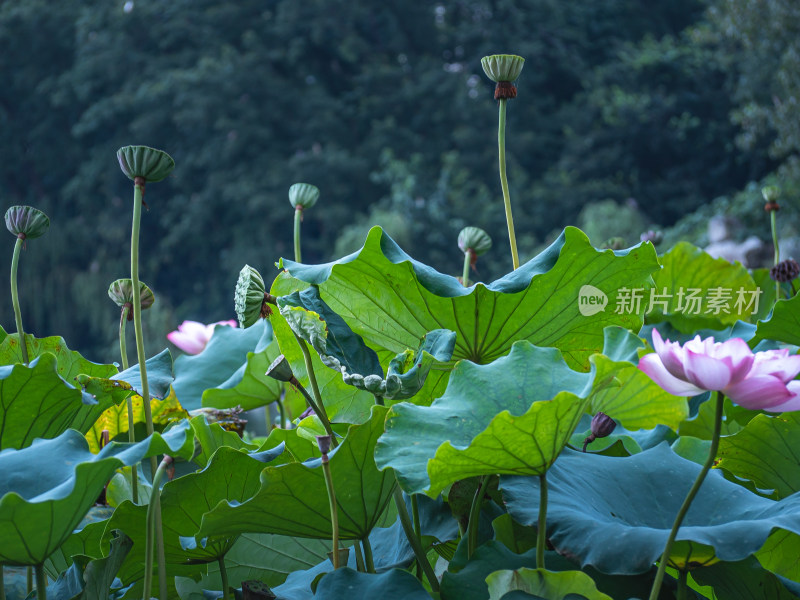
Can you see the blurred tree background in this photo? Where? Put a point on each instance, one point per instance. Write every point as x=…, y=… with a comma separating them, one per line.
x=657, y=108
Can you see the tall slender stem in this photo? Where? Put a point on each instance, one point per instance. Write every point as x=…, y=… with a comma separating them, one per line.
x=417, y=528
x=298, y=218
x=712, y=453
x=223, y=573
x=474, y=516
x=370, y=563
x=683, y=591
x=282, y=411
x=465, y=272
x=123, y=351
x=322, y=416
x=501, y=154
x=15, y=299
x=312, y=378
x=41, y=583
x=416, y=546
x=153, y=510
x=326, y=470
x=541, y=533
x=774, y=227
x=360, y=566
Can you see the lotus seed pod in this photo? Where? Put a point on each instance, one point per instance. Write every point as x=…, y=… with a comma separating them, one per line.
x=784, y=271
x=303, y=195
x=324, y=443
x=249, y=297
x=475, y=239
x=121, y=292
x=26, y=222
x=142, y=161
x=502, y=67
x=280, y=370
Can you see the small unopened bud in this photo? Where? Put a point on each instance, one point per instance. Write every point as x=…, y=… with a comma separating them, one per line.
x=771, y=193
x=602, y=426
x=324, y=443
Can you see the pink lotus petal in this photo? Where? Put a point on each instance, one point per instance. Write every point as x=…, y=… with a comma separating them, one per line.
x=651, y=364
x=188, y=343
x=671, y=355
x=793, y=403
x=707, y=372
x=758, y=392
x=785, y=368
x=737, y=355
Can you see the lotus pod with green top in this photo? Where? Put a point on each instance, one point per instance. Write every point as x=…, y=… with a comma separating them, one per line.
x=249, y=296
x=121, y=292
x=142, y=161
x=475, y=239
x=502, y=67
x=26, y=222
x=303, y=195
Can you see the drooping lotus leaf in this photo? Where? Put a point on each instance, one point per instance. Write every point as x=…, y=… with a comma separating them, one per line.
x=633, y=501
x=184, y=501
x=47, y=488
x=115, y=418
x=337, y=345
x=511, y=416
x=218, y=365
x=159, y=375
x=766, y=452
x=84, y=541
x=293, y=499
x=213, y=436
x=37, y=402
x=70, y=363
x=411, y=369
x=634, y=400
x=249, y=387
x=695, y=291
x=543, y=583
x=743, y=580
x=391, y=300
x=88, y=579
x=346, y=582
x=784, y=323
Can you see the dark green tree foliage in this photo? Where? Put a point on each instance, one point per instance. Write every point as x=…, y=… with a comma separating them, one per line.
x=383, y=106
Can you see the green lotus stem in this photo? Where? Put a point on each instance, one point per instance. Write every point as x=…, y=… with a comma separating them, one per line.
x=298, y=218
x=683, y=592
x=41, y=583
x=541, y=533
x=223, y=573
x=138, y=192
x=501, y=154
x=774, y=227
x=326, y=469
x=318, y=406
x=153, y=511
x=282, y=410
x=370, y=563
x=712, y=453
x=465, y=272
x=15, y=299
x=474, y=516
x=359, y=558
x=123, y=351
x=417, y=528
x=416, y=546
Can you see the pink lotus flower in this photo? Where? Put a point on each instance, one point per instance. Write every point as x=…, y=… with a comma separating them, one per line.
x=192, y=337
x=760, y=381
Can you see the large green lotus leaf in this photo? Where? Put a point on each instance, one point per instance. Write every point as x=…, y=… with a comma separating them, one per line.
x=634, y=400
x=743, y=580
x=767, y=300
x=84, y=541
x=346, y=582
x=218, y=365
x=702, y=424
x=766, y=452
x=338, y=346
x=634, y=500
x=695, y=291
x=343, y=403
x=551, y=585
x=47, y=488
x=783, y=324
x=159, y=375
x=293, y=499
x=70, y=363
x=392, y=300
x=36, y=402
x=249, y=387
x=781, y=555
x=268, y=558
x=512, y=416
x=231, y=475
x=213, y=436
